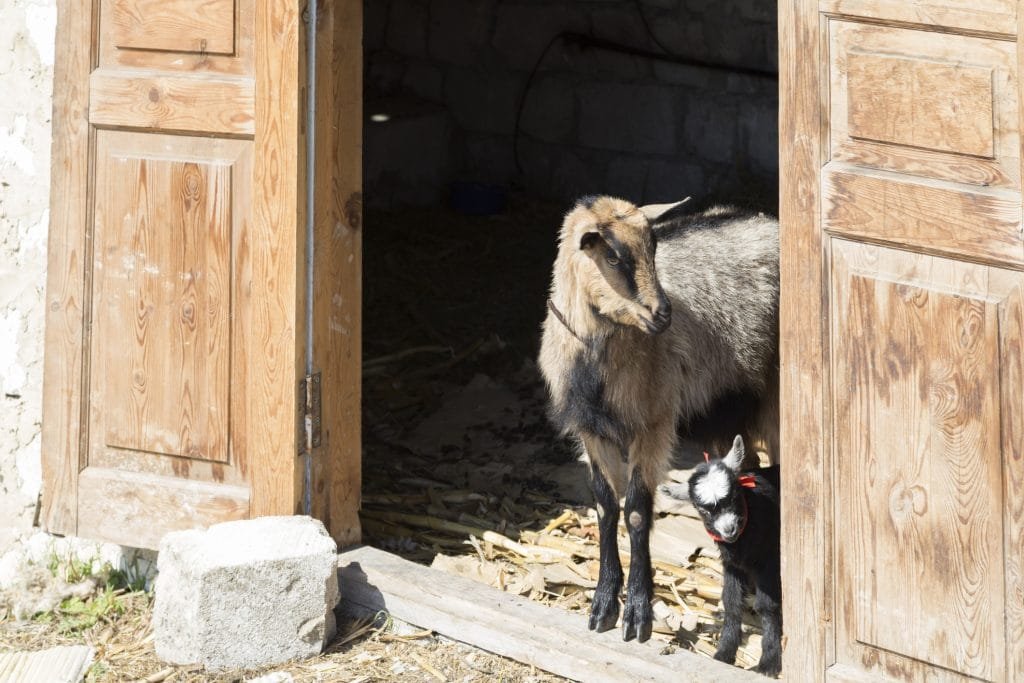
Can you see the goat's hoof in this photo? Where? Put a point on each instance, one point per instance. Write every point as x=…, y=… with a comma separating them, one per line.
x=726, y=657
x=637, y=621
x=771, y=669
x=604, y=612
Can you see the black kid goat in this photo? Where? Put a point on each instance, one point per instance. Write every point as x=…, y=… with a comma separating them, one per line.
x=740, y=511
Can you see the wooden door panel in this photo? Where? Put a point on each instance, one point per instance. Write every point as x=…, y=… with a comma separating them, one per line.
x=919, y=521
x=924, y=104
x=162, y=298
x=178, y=36
x=877, y=205
x=203, y=26
x=173, y=103
x=989, y=16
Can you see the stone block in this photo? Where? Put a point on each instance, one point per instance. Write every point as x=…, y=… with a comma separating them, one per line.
x=460, y=29
x=407, y=27
x=759, y=128
x=627, y=177
x=424, y=80
x=710, y=127
x=523, y=31
x=245, y=594
x=628, y=118
x=483, y=101
x=549, y=112
x=671, y=181
x=407, y=156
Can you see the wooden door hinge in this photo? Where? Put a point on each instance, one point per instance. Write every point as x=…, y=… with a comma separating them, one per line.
x=309, y=398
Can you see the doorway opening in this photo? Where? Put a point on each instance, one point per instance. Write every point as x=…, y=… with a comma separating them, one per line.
x=484, y=121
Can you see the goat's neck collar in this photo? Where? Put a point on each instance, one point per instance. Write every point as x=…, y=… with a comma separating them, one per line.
x=560, y=317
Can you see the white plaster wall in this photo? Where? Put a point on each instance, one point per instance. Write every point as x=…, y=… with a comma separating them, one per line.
x=26, y=80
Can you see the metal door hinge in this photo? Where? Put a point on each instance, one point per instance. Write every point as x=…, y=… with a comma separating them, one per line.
x=309, y=397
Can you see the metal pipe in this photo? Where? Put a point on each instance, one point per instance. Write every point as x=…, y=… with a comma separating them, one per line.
x=311, y=22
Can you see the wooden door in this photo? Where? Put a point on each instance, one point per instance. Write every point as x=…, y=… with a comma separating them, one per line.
x=176, y=328
x=902, y=315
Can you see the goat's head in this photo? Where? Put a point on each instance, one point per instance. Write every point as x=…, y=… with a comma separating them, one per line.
x=612, y=241
x=715, y=490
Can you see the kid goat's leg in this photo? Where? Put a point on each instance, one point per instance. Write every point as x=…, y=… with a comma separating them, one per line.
x=733, y=587
x=604, y=610
x=768, y=604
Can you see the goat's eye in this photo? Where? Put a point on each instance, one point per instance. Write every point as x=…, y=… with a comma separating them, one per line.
x=612, y=260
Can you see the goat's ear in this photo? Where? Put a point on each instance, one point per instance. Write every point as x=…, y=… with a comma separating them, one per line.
x=655, y=211
x=590, y=240
x=734, y=458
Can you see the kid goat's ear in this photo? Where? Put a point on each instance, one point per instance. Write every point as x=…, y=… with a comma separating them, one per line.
x=734, y=458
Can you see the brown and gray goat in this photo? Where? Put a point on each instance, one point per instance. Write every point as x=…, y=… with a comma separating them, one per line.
x=652, y=333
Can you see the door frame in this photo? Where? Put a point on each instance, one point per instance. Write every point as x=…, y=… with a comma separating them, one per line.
x=806, y=547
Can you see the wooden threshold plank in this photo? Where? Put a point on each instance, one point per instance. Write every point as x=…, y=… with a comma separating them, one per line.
x=512, y=626
x=64, y=664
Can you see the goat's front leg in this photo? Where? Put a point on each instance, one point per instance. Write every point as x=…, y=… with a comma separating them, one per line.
x=638, y=616
x=768, y=604
x=733, y=589
x=604, y=610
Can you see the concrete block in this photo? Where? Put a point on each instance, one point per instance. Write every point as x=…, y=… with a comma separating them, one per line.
x=407, y=157
x=549, y=112
x=488, y=159
x=523, y=31
x=460, y=29
x=628, y=118
x=375, y=23
x=245, y=594
x=759, y=128
x=710, y=127
x=671, y=181
x=424, y=80
x=483, y=101
x=627, y=177
x=407, y=27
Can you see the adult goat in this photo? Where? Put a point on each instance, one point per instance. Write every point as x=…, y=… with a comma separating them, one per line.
x=652, y=332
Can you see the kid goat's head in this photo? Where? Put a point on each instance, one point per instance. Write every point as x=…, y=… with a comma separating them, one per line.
x=715, y=489
x=613, y=245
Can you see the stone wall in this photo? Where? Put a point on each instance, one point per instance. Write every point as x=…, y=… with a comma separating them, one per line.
x=26, y=77
x=450, y=76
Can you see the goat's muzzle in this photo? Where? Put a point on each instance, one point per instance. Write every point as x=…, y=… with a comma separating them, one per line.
x=661, y=318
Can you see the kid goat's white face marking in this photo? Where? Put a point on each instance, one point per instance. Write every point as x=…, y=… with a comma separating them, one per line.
x=713, y=487
x=726, y=524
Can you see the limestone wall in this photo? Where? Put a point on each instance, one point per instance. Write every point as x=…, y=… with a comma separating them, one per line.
x=26, y=76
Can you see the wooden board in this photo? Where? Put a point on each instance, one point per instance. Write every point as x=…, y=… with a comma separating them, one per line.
x=806, y=545
x=338, y=260
x=513, y=626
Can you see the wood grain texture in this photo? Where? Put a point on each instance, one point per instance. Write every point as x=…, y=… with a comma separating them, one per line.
x=512, y=626
x=223, y=106
x=63, y=372
x=337, y=315
x=806, y=550
x=204, y=26
x=138, y=509
x=273, y=294
x=911, y=101
x=238, y=60
x=984, y=16
x=1011, y=349
x=918, y=434
x=162, y=302
x=960, y=220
